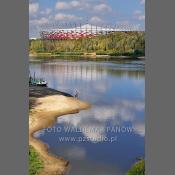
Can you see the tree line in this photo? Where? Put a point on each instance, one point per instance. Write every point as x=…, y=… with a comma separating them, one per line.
x=118, y=43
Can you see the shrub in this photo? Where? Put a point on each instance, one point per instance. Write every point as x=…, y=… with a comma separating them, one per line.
x=138, y=168
x=139, y=52
x=35, y=164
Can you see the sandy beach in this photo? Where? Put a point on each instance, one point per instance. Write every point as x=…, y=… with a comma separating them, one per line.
x=45, y=106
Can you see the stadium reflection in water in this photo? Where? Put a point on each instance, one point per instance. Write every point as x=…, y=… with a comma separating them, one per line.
x=116, y=92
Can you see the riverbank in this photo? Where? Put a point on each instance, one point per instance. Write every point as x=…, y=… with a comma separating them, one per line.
x=90, y=56
x=45, y=106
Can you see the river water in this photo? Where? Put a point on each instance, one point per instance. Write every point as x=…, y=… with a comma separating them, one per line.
x=109, y=137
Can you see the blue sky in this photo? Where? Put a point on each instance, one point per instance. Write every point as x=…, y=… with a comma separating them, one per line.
x=100, y=12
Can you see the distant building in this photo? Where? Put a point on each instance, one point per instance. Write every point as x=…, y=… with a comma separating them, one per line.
x=84, y=31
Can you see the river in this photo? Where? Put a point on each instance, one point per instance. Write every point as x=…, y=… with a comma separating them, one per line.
x=109, y=137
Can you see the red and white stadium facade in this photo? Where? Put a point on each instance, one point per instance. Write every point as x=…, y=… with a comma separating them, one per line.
x=85, y=31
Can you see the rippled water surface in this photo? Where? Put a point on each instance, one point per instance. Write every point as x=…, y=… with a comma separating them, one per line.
x=108, y=138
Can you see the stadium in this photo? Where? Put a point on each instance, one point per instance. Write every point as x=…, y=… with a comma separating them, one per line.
x=84, y=31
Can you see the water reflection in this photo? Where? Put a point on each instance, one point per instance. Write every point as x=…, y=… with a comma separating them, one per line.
x=98, y=116
x=116, y=92
x=88, y=71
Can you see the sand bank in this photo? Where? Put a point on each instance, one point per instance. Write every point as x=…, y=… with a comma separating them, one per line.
x=43, y=114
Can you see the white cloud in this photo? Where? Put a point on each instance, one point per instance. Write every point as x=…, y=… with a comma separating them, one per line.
x=72, y=5
x=94, y=6
x=66, y=17
x=139, y=15
x=102, y=8
x=33, y=8
x=95, y=20
x=39, y=134
x=142, y=1
x=125, y=111
x=47, y=11
x=139, y=128
x=75, y=4
x=40, y=21
x=137, y=12
x=62, y=5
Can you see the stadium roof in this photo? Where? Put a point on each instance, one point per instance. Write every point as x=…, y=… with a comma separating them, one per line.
x=83, y=31
x=94, y=29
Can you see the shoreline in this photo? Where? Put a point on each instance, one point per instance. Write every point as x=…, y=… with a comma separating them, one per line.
x=45, y=109
x=88, y=56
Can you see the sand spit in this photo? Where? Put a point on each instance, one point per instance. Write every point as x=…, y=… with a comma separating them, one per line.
x=43, y=114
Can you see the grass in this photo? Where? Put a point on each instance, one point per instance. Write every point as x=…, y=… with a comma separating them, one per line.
x=138, y=168
x=35, y=164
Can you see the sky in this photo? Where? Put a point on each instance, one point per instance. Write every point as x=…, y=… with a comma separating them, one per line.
x=100, y=12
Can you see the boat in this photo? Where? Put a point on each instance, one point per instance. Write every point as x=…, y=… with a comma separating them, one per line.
x=41, y=82
x=37, y=81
